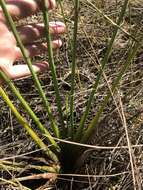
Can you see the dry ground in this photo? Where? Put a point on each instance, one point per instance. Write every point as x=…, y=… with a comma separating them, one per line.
x=112, y=166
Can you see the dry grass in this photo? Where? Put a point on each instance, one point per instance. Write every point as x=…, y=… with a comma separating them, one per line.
x=122, y=122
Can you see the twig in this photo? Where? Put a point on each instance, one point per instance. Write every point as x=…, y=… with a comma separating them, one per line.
x=97, y=147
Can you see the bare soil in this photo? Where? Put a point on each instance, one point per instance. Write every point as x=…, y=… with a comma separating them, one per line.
x=111, y=168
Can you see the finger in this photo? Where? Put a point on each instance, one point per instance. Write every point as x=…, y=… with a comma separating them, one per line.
x=33, y=32
x=22, y=71
x=37, y=49
x=23, y=8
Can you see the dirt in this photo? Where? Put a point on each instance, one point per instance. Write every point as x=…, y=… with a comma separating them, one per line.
x=112, y=166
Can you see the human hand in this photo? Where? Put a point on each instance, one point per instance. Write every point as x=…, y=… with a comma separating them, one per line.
x=10, y=52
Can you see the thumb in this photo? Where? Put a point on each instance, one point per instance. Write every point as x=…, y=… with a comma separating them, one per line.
x=22, y=71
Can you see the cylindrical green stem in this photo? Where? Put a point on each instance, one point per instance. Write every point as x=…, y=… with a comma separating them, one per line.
x=29, y=63
x=52, y=65
x=16, y=166
x=74, y=51
x=25, y=124
x=94, y=122
x=29, y=110
x=104, y=62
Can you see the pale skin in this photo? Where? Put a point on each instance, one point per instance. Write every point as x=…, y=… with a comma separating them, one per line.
x=10, y=52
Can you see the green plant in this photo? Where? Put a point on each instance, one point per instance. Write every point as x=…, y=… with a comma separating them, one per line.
x=64, y=157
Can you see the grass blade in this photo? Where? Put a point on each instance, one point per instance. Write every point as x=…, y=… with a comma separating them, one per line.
x=111, y=21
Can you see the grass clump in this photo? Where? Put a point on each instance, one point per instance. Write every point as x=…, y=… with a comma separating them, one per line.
x=65, y=152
